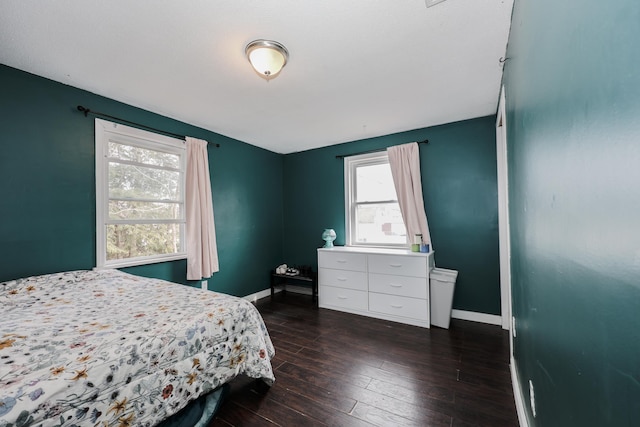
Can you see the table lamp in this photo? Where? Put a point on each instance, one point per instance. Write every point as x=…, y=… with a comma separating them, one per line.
x=328, y=235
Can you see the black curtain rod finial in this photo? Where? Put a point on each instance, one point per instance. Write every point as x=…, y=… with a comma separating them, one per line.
x=85, y=110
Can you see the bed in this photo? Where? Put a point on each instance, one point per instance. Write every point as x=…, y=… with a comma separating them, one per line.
x=112, y=349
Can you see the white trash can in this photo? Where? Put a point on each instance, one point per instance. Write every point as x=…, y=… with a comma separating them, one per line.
x=442, y=284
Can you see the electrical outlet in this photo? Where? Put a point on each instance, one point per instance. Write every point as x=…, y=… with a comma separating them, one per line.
x=204, y=285
x=513, y=326
x=532, y=398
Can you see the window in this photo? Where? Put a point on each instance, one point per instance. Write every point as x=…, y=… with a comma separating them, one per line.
x=373, y=215
x=140, y=187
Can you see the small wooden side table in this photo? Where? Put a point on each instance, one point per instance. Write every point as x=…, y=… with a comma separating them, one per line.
x=308, y=280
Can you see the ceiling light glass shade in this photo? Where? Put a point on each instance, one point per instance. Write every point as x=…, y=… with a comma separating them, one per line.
x=267, y=57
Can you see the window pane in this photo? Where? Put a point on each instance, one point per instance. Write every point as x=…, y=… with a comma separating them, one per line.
x=129, y=241
x=380, y=224
x=374, y=183
x=142, y=155
x=122, y=209
x=142, y=182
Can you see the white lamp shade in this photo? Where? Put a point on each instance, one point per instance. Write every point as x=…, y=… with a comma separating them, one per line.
x=267, y=57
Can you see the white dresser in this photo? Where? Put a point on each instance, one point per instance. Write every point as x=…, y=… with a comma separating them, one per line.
x=391, y=284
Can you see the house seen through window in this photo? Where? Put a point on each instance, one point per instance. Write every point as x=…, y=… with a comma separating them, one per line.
x=373, y=215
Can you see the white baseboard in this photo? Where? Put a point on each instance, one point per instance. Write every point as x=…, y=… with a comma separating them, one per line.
x=258, y=295
x=517, y=394
x=491, y=319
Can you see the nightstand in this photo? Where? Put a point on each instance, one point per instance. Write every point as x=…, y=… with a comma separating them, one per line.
x=311, y=279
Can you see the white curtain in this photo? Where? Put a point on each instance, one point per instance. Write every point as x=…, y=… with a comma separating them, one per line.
x=202, y=250
x=405, y=169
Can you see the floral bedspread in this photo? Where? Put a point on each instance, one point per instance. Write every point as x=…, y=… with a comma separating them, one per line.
x=106, y=348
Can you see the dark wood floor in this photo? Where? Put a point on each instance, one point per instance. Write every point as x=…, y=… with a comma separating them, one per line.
x=339, y=369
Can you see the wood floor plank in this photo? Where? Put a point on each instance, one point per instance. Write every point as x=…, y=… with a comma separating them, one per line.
x=333, y=411
x=381, y=418
x=232, y=414
x=410, y=392
x=428, y=412
x=326, y=398
x=340, y=369
x=324, y=379
x=279, y=413
x=421, y=371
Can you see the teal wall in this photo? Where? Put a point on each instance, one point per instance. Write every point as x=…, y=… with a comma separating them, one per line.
x=573, y=120
x=458, y=169
x=47, y=183
x=263, y=201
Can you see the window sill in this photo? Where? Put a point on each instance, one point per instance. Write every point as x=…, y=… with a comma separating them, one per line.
x=141, y=261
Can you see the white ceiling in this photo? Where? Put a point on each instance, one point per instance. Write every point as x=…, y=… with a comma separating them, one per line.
x=357, y=68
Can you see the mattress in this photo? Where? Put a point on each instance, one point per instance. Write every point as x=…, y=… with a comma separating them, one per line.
x=112, y=349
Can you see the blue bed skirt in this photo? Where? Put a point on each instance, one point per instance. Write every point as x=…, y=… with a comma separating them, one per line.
x=200, y=412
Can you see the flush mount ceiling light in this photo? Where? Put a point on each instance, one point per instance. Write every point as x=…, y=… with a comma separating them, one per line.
x=267, y=57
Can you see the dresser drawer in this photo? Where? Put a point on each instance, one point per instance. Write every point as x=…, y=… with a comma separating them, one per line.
x=415, y=266
x=329, y=296
x=342, y=261
x=399, y=306
x=343, y=278
x=414, y=287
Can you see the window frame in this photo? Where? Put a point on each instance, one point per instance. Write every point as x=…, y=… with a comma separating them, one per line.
x=106, y=131
x=351, y=163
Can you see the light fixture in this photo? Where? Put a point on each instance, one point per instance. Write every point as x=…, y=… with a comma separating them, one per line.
x=267, y=57
x=328, y=235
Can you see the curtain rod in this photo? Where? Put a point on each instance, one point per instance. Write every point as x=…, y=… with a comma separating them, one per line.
x=342, y=156
x=87, y=111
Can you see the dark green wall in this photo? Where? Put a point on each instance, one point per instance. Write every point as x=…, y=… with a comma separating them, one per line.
x=573, y=119
x=47, y=179
x=458, y=169
x=47, y=219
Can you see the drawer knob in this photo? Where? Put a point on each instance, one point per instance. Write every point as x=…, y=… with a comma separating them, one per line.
x=341, y=261
x=341, y=297
x=393, y=285
x=396, y=305
x=395, y=265
x=342, y=279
